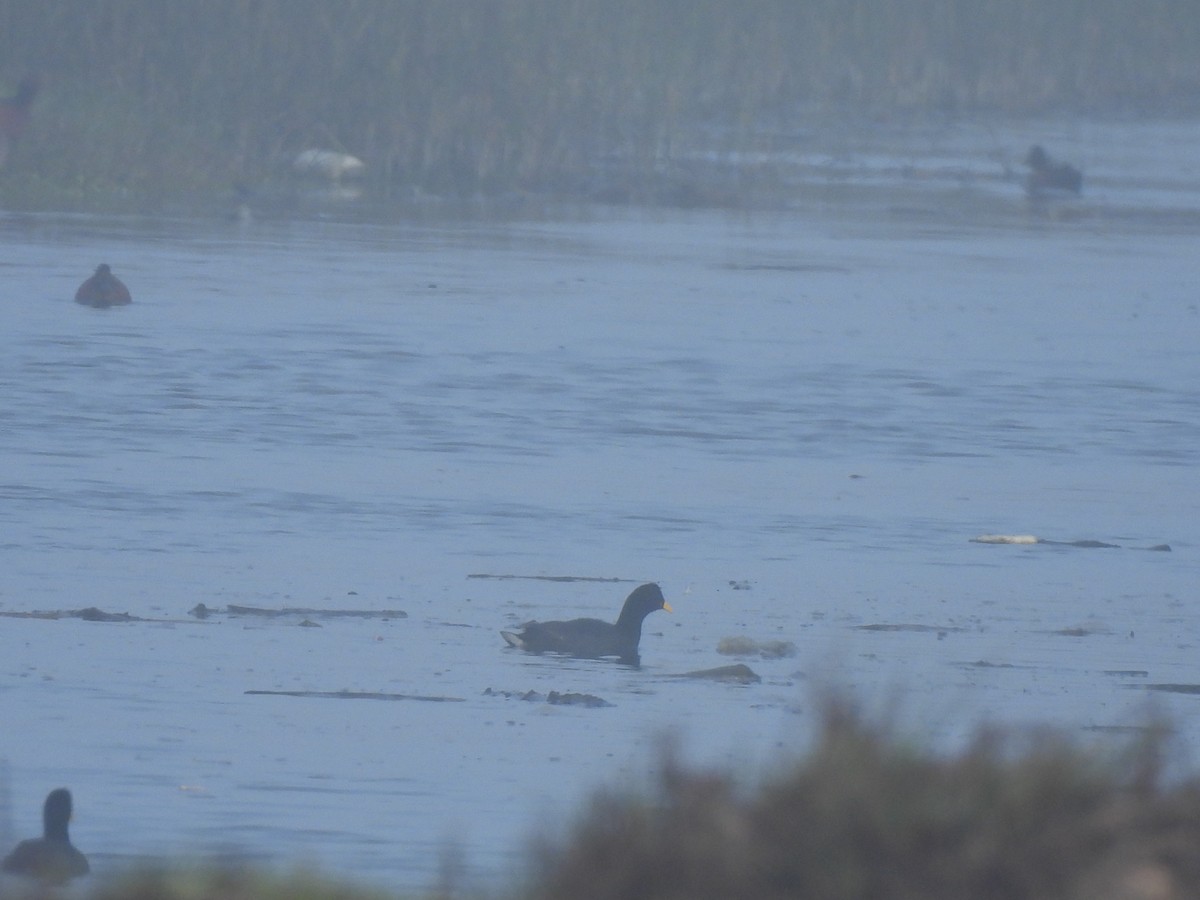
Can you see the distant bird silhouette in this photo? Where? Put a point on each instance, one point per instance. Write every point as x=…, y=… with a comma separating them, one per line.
x=102, y=290
x=1048, y=176
x=15, y=112
x=592, y=638
x=52, y=857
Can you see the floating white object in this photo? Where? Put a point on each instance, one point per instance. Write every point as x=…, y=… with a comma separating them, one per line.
x=1005, y=539
x=328, y=164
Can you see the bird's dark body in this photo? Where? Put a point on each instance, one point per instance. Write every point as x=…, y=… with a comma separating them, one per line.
x=52, y=858
x=102, y=290
x=593, y=638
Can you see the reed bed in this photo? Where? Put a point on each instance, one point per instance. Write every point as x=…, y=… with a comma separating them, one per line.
x=488, y=96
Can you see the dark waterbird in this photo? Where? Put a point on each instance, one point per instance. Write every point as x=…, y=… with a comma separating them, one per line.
x=1049, y=176
x=52, y=857
x=103, y=289
x=592, y=638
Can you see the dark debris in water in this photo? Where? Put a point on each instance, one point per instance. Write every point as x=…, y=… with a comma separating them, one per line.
x=788, y=267
x=1169, y=688
x=893, y=626
x=200, y=611
x=88, y=614
x=571, y=698
x=555, y=698
x=1079, y=631
x=358, y=695
x=987, y=664
x=745, y=646
x=735, y=674
x=92, y=614
x=1086, y=545
x=555, y=578
x=1149, y=730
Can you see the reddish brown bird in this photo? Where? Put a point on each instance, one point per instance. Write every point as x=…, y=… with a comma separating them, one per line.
x=102, y=290
x=14, y=114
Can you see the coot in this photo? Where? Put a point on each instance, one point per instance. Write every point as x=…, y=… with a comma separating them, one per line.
x=1049, y=176
x=592, y=638
x=52, y=857
x=103, y=289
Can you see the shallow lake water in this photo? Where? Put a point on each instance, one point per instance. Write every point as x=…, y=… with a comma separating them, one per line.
x=794, y=420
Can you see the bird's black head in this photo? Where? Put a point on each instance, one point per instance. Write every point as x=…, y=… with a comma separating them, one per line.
x=57, y=812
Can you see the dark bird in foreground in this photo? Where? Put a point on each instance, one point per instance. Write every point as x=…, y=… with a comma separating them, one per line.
x=592, y=638
x=102, y=290
x=1049, y=176
x=14, y=114
x=52, y=857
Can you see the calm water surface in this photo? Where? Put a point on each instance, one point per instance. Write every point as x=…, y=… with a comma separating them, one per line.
x=794, y=421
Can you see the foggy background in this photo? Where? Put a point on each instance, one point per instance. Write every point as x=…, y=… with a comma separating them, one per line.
x=578, y=97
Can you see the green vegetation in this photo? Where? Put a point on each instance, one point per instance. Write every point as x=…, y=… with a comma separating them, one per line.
x=150, y=97
x=863, y=814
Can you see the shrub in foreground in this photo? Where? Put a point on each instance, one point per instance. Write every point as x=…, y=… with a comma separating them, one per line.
x=863, y=815
x=867, y=816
